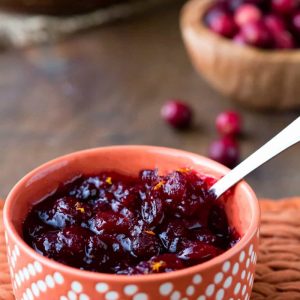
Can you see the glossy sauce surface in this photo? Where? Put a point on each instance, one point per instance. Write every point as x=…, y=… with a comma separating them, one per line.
x=112, y=223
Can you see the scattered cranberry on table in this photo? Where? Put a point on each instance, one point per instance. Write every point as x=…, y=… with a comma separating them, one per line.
x=266, y=24
x=225, y=151
x=177, y=113
x=228, y=123
x=112, y=223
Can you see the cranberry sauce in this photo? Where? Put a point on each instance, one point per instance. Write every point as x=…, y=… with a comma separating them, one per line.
x=112, y=223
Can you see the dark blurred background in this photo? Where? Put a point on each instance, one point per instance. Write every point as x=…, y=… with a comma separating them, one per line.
x=106, y=87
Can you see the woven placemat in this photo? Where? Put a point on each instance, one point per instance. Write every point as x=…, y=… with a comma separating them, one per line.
x=20, y=30
x=278, y=268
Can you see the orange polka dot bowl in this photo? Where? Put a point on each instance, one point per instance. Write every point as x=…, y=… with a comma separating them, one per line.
x=227, y=276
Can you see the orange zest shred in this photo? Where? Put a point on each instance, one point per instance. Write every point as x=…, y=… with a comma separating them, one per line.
x=158, y=186
x=108, y=180
x=78, y=207
x=183, y=170
x=155, y=266
x=150, y=232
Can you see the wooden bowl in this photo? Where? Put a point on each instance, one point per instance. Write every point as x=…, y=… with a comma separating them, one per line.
x=228, y=276
x=261, y=79
x=55, y=7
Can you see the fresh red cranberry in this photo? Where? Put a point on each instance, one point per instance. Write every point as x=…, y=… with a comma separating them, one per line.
x=177, y=113
x=225, y=151
x=228, y=123
x=296, y=22
x=223, y=24
x=284, y=40
x=284, y=7
x=257, y=34
x=235, y=4
x=247, y=13
x=239, y=39
x=274, y=23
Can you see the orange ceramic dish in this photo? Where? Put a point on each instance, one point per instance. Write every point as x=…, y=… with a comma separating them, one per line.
x=228, y=276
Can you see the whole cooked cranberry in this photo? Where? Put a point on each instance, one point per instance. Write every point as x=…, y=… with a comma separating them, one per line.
x=274, y=23
x=33, y=227
x=190, y=206
x=109, y=222
x=73, y=240
x=145, y=245
x=177, y=113
x=87, y=188
x=152, y=211
x=284, y=40
x=257, y=34
x=296, y=22
x=284, y=7
x=229, y=123
x=125, y=194
x=198, y=252
x=63, y=212
x=222, y=23
x=247, y=13
x=172, y=234
x=225, y=151
x=174, y=187
x=45, y=243
x=96, y=253
x=67, y=246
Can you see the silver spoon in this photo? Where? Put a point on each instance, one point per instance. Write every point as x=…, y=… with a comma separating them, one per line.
x=283, y=140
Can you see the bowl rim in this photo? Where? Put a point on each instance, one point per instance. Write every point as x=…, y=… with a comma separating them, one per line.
x=97, y=276
x=192, y=15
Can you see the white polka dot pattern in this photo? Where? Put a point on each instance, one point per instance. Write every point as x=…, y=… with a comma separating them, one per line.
x=112, y=295
x=140, y=296
x=175, y=296
x=130, y=289
x=102, y=287
x=197, y=279
x=166, y=288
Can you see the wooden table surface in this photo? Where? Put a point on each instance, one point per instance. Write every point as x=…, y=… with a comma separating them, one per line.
x=106, y=87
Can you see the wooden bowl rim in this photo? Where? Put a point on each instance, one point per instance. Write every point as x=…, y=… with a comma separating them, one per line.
x=191, y=22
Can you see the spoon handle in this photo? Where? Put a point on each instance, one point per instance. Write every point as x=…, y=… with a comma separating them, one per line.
x=283, y=140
